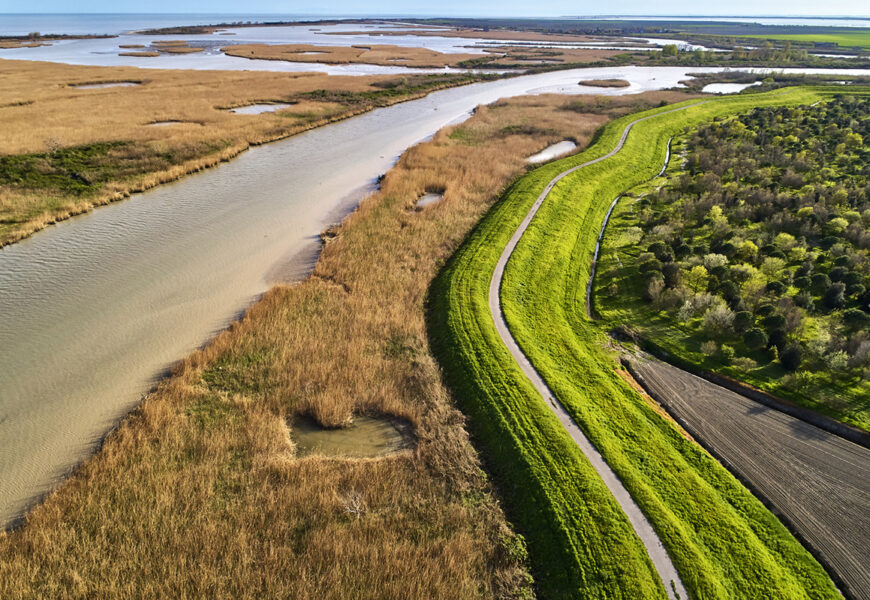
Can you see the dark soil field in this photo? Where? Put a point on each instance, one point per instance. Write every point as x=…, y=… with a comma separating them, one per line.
x=817, y=481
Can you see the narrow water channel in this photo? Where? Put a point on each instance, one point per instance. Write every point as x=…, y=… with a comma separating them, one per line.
x=95, y=309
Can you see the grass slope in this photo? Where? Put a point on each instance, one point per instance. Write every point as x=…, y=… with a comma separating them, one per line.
x=844, y=39
x=722, y=539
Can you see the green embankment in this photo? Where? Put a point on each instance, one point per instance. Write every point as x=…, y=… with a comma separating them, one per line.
x=722, y=539
x=843, y=39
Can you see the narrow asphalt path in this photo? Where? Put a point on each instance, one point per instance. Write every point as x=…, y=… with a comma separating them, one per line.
x=657, y=553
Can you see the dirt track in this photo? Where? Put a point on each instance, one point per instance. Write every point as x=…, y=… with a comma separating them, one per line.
x=819, y=482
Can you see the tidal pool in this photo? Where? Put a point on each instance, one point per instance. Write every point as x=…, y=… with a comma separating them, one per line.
x=256, y=109
x=550, y=152
x=727, y=88
x=366, y=437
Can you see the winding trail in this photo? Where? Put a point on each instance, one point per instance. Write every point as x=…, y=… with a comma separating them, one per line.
x=642, y=527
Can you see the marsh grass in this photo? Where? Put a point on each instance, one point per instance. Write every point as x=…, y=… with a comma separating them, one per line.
x=43, y=113
x=198, y=493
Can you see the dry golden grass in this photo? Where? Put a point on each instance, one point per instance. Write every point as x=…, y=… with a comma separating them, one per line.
x=374, y=55
x=519, y=55
x=4, y=44
x=148, y=54
x=42, y=113
x=198, y=494
x=606, y=83
x=510, y=56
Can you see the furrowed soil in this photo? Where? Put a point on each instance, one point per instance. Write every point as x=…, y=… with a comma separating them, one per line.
x=199, y=492
x=818, y=481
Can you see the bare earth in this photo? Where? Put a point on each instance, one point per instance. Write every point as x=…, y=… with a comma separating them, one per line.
x=817, y=481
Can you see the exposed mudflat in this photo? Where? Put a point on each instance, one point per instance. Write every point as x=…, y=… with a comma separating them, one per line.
x=817, y=480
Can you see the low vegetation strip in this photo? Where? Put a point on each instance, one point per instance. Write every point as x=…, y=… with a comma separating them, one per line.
x=660, y=559
x=818, y=481
x=722, y=539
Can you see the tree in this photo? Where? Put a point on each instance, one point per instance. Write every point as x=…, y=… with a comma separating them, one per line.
x=696, y=279
x=669, y=50
x=790, y=357
x=718, y=320
x=755, y=339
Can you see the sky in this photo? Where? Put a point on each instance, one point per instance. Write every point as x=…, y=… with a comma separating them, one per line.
x=545, y=8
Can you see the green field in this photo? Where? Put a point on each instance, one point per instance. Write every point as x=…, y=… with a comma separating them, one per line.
x=721, y=538
x=844, y=39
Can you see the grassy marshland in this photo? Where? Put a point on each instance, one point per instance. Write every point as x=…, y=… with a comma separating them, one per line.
x=721, y=538
x=198, y=493
x=66, y=149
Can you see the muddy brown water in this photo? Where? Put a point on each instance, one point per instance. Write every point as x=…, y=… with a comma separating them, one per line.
x=95, y=309
x=366, y=437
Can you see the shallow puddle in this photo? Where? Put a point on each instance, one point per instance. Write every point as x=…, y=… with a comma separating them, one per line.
x=727, y=88
x=551, y=152
x=256, y=109
x=366, y=437
x=94, y=86
x=428, y=199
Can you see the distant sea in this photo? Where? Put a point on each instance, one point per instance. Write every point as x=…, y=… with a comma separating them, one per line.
x=83, y=24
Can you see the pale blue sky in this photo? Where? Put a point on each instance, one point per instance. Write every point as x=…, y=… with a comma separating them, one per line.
x=451, y=7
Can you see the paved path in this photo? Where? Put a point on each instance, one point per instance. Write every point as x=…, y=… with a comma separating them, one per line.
x=655, y=549
x=817, y=480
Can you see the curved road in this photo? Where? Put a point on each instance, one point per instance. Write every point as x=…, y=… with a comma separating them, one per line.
x=657, y=553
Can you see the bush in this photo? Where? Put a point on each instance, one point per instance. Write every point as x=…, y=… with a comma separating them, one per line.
x=855, y=318
x=671, y=272
x=790, y=357
x=774, y=322
x=709, y=348
x=820, y=283
x=835, y=296
x=755, y=339
x=764, y=310
x=777, y=338
x=727, y=353
x=743, y=321
x=777, y=288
